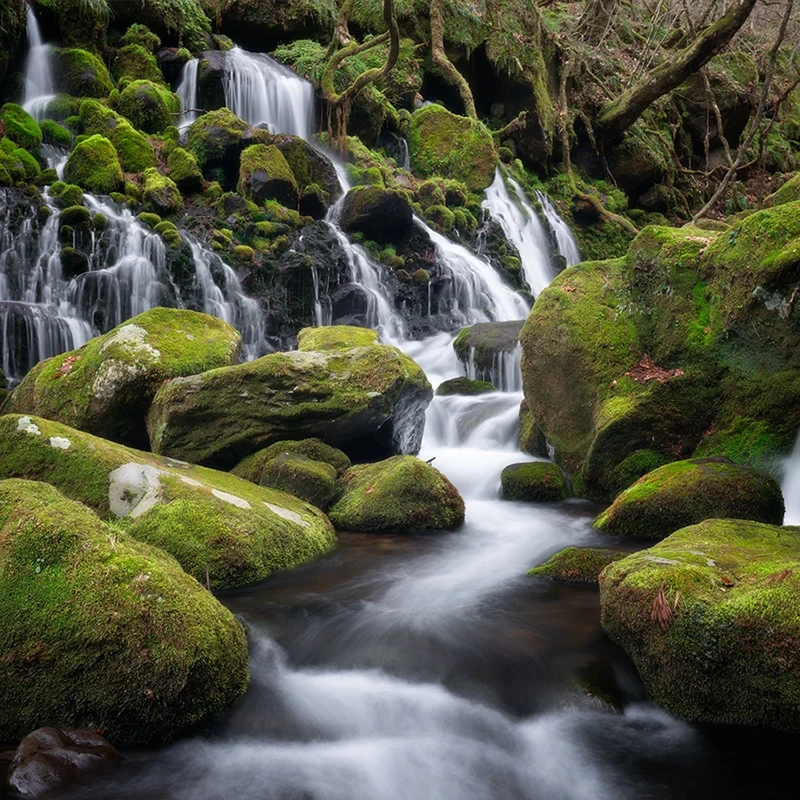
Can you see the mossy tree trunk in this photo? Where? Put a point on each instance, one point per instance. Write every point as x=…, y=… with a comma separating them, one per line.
x=618, y=115
x=339, y=103
x=444, y=64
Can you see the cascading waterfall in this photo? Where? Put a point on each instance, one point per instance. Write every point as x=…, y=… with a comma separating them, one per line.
x=791, y=486
x=39, y=84
x=565, y=238
x=187, y=92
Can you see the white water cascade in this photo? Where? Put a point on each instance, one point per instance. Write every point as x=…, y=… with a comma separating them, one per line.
x=187, y=92
x=39, y=85
x=791, y=486
x=565, y=238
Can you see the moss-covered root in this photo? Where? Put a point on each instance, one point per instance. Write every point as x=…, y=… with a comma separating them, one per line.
x=398, y=495
x=711, y=619
x=577, y=564
x=103, y=632
x=223, y=530
x=686, y=492
x=105, y=387
x=534, y=482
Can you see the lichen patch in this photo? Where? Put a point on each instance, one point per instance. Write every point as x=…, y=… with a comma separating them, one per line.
x=285, y=513
x=60, y=442
x=239, y=502
x=133, y=489
x=27, y=425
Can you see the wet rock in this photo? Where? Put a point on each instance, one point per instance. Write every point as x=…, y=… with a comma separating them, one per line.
x=264, y=174
x=382, y=215
x=486, y=346
x=535, y=482
x=211, y=80
x=577, y=564
x=50, y=758
x=464, y=386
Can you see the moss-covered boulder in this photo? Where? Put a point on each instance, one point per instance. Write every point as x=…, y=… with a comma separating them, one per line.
x=141, y=35
x=485, y=348
x=20, y=126
x=312, y=481
x=215, y=140
x=252, y=467
x=711, y=618
x=335, y=337
x=465, y=386
x=577, y=564
x=398, y=495
x=313, y=171
x=135, y=152
x=81, y=74
x=149, y=106
x=134, y=62
x=368, y=400
x=264, y=174
x=55, y=134
x=223, y=530
x=443, y=144
x=534, y=482
x=94, y=165
x=160, y=193
x=273, y=21
x=184, y=171
x=684, y=347
x=382, y=215
x=104, y=632
x=106, y=386
x=687, y=492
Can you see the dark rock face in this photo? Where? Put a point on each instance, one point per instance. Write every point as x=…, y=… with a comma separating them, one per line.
x=211, y=80
x=49, y=758
x=382, y=215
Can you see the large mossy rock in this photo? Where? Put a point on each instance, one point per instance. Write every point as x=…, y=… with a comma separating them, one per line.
x=268, y=22
x=160, y=193
x=134, y=62
x=398, y=495
x=577, y=564
x=135, y=152
x=711, y=618
x=252, y=467
x=106, y=386
x=184, y=171
x=534, y=482
x=684, y=347
x=312, y=481
x=264, y=174
x=149, y=106
x=20, y=126
x=223, y=530
x=382, y=215
x=215, y=140
x=94, y=165
x=104, y=632
x=687, y=492
x=443, y=144
x=313, y=171
x=368, y=400
x=81, y=74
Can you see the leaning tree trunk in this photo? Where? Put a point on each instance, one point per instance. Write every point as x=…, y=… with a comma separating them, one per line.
x=618, y=115
x=444, y=64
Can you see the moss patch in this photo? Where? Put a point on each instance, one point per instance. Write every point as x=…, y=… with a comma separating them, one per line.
x=534, y=481
x=94, y=166
x=577, y=564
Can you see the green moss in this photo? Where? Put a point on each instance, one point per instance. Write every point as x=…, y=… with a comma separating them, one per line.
x=161, y=194
x=133, y=62
x=141, y=35
x=399, y=495
x=264, y=174
x=432, y=135
x=335, y=337
x=66, y=194
x=169, y=232
x=148, y=219
x=535, y=482
x=727, y=648
x=312, y=481
x=82, y=74
x=94, y=165
x=105, y=387
x=464, y=386
x=212, y=135
x=20, y=126
x=441, y=217
x=251, y=467
x=220, y=528
x=789, y=192
x=148, y=106
x=102, y=632
x=577, y=564
x=687, y=492
x=29, y=164
x=135, y=152
x=53, y=133
x=61, y=107
x=184, y=171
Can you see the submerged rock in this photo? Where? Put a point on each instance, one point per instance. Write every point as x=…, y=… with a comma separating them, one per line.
x=534, y=481
x=50, y=758
x=368, y=400
x=104, y=632
x=106, y=386
x=687, y=492
x=577, y=564
x=710, y=618
x=398, y=495
x=223, y=530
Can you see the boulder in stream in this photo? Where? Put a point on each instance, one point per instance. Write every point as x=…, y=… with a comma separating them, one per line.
x=251, y=467
x=464, y=386
x=103, y=632
x=398, y=495
x=367, y=399
x=687, y=492
x=223, y=530
x=534, y=482
x=488, y=349
x=382, y=215
x=106, y=386
x=577, y=564
x=710, y=618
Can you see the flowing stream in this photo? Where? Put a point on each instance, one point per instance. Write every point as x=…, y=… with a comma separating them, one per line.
x=398, y=668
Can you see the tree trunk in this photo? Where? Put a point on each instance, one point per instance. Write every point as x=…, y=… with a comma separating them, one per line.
x=444, y=64
x=596, y=19
x=618, y=115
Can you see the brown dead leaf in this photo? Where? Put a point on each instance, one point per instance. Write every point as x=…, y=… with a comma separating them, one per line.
x=646, y=370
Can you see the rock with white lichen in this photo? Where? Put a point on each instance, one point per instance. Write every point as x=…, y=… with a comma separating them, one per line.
x=223, y=530
x=106, y=386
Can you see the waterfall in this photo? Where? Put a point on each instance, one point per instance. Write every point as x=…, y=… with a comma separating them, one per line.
x=791, y=486
x=259, y=90
x=565, y=238
x=187, y=92
x=39, y=85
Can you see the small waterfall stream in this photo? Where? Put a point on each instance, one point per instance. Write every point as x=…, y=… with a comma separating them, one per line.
x=39, y=84
x=791, y=486
x=187, y=92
